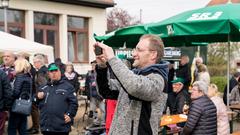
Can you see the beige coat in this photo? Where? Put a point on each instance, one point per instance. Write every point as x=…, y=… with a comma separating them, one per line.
x=222, y=117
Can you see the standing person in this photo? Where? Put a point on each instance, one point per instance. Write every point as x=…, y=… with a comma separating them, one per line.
x=232, y=83
x=57, y=103
x=141, y=100
x=8, y=65
x=171, y=95
x=61, y=65
x=22, y=84
x=222, y=116
x=8, y=68
x=40, y=79
x=72, y=76
x=5, y=98
x=95, y=99
x=184, y=71
x=203, y=74
x=202, y=117
x=198, y=61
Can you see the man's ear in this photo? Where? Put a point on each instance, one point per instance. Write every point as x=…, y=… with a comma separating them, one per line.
x=154, y=55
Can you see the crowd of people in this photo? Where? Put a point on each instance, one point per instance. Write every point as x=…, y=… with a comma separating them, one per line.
x=51, y=89
x=131, y=97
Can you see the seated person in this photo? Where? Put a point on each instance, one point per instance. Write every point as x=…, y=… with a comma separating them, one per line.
x=235, y=94
x=182, y=97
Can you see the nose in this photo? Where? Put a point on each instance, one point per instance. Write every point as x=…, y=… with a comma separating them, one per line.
x=134, y=53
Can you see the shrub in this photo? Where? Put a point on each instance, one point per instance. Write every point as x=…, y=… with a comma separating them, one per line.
x=220, y=81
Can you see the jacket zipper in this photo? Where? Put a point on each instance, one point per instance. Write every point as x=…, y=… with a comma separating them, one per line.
x=132, y=127
x=46, y=98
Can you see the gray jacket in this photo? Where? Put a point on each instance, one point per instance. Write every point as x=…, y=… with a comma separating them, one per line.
x=141, y=104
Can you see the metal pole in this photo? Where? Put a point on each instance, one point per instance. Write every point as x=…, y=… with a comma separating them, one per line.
x=140, y=16
x=228, y=69
x=5, y=19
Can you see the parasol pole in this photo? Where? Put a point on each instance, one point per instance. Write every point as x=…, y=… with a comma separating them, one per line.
x=228, y=69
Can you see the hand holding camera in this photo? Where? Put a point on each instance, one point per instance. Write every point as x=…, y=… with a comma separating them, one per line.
x=103, y=51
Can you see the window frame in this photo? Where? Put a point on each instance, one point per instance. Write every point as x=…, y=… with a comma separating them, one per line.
x=75, y=32
x=16, y=24
x=45, y=28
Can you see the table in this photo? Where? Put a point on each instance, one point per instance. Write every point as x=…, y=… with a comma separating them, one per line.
x=171, y=119
x=235, y=107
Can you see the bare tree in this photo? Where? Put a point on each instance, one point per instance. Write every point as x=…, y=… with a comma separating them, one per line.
x=217, y=57
x=119, y=18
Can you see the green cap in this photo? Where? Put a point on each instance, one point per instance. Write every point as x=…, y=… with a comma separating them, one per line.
x=52, y=67
x=178, y=79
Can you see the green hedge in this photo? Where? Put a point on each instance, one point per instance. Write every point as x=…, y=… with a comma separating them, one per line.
x=220, y=81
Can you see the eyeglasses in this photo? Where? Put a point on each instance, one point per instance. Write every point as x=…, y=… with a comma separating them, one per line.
x=140, y=50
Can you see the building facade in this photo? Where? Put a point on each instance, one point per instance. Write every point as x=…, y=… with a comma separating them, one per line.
x=66, y=25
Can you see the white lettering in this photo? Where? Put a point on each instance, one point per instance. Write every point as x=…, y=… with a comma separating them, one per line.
x=205, y=16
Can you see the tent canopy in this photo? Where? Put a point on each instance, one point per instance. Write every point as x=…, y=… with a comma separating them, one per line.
x=9, y=42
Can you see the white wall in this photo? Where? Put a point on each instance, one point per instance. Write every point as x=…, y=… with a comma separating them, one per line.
x=97, y=22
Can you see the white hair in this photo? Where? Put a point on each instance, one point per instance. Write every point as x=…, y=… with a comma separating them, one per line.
x=202, y=86
x=199, y=59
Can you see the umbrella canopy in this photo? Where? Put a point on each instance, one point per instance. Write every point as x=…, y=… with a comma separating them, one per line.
x=128, y=36
x=219, y=23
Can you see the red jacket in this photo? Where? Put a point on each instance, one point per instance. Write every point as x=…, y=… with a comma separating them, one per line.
x=111, y=105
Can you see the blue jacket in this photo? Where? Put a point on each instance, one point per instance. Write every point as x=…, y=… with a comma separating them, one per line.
x=22, y=83
x=60, y=98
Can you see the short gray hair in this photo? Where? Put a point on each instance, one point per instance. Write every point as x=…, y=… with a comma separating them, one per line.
x=40, y=59
x=202, y=86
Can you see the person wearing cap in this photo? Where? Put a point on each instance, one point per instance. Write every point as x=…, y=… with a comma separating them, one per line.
x=202, y=116
x=182, y=96
x=57, y=103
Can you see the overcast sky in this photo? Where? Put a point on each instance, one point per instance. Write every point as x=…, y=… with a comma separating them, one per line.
x=157, y=10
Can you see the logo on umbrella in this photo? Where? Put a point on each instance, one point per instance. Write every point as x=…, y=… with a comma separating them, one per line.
x=170, y=30
x=205, y=16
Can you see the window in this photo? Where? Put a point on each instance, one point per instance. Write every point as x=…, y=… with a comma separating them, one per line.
x=78, y=39
x=15, y=19
x=46, y=30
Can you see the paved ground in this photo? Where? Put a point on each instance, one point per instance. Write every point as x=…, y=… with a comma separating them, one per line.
x=80, y=123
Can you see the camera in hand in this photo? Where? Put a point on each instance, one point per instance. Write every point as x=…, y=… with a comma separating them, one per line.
x=98, y=50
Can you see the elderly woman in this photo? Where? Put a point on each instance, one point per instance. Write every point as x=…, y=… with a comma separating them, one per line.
x=72, y=76
x=22, y=83
x=202, y=112
x=222, y=117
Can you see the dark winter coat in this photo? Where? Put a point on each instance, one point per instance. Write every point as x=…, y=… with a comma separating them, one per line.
x=184, y=72
x=181, y=97
x=202, y=118
x=5, y=91
x=22, y=83
x=59, y=99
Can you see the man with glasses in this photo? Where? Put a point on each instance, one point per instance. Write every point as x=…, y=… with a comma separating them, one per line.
x=202, y=116
x=139, y=91
x=57, y=103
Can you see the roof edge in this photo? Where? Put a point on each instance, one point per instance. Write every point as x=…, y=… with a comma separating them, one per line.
x=95, y=3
